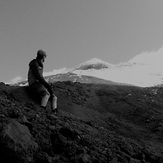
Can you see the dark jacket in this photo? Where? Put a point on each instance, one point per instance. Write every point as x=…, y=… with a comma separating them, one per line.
x=35, y=74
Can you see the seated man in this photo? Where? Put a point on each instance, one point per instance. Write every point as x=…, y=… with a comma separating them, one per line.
x=37, y=82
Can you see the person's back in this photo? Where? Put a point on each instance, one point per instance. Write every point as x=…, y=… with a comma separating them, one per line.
x=31, y=75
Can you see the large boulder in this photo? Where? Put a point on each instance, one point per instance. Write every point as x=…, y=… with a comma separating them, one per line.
x=16, y=143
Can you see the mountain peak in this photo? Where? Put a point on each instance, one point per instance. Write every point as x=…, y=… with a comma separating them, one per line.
x=93, y=63
x=96, y=61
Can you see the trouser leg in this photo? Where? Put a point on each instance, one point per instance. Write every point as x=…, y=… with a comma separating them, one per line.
x=54, y=103
x=44, y=100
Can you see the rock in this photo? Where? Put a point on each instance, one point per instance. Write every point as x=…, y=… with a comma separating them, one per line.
x=68, y=133
x=14, y=113
x=114, y=160
x=96, y=123
x=86, y=158
x=2, y=84
x=16, y=143
x=58, y=143
x=26, y=122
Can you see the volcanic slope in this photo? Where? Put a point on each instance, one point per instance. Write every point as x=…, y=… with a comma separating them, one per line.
x=95, y=123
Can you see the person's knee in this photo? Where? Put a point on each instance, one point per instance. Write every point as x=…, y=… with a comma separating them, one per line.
x=45, y=93
x=44, y=100
x=54, y=98
x=47, y=96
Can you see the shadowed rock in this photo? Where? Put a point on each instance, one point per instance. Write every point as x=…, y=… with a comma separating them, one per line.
x=95, y=123
x=17, y=144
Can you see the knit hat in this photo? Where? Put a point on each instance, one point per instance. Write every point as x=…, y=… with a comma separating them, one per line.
x=41, y=54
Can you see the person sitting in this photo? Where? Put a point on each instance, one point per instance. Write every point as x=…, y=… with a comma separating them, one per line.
x=38, y=84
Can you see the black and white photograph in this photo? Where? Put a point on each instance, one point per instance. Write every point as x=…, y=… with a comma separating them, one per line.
x=81, y=81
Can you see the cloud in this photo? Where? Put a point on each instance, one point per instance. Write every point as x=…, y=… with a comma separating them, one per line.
x=58, y=71
x=154, y=57
x=19, y=78
x=15, y=80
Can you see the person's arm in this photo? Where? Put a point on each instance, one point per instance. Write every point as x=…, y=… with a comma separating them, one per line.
x=35, y=69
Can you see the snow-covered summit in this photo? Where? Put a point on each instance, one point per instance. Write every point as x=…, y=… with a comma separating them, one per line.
x=132, y=72
x=96, y=61
x=93, y=63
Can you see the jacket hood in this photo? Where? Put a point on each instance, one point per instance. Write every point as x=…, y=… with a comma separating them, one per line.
x=34, y=60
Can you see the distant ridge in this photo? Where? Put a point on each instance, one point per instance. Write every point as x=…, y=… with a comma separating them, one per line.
x=93, y=63
x=95, y=70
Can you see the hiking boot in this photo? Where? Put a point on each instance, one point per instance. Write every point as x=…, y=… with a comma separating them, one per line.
x=55, y=111
x=43, y=107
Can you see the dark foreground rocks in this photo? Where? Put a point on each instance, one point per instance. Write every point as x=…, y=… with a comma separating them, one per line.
x=17, y=143
x=95, y=123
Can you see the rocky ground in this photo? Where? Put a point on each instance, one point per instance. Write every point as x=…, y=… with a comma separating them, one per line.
x=95, y=123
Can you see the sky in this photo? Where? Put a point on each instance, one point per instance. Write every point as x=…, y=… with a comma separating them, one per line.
x=74, y=31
